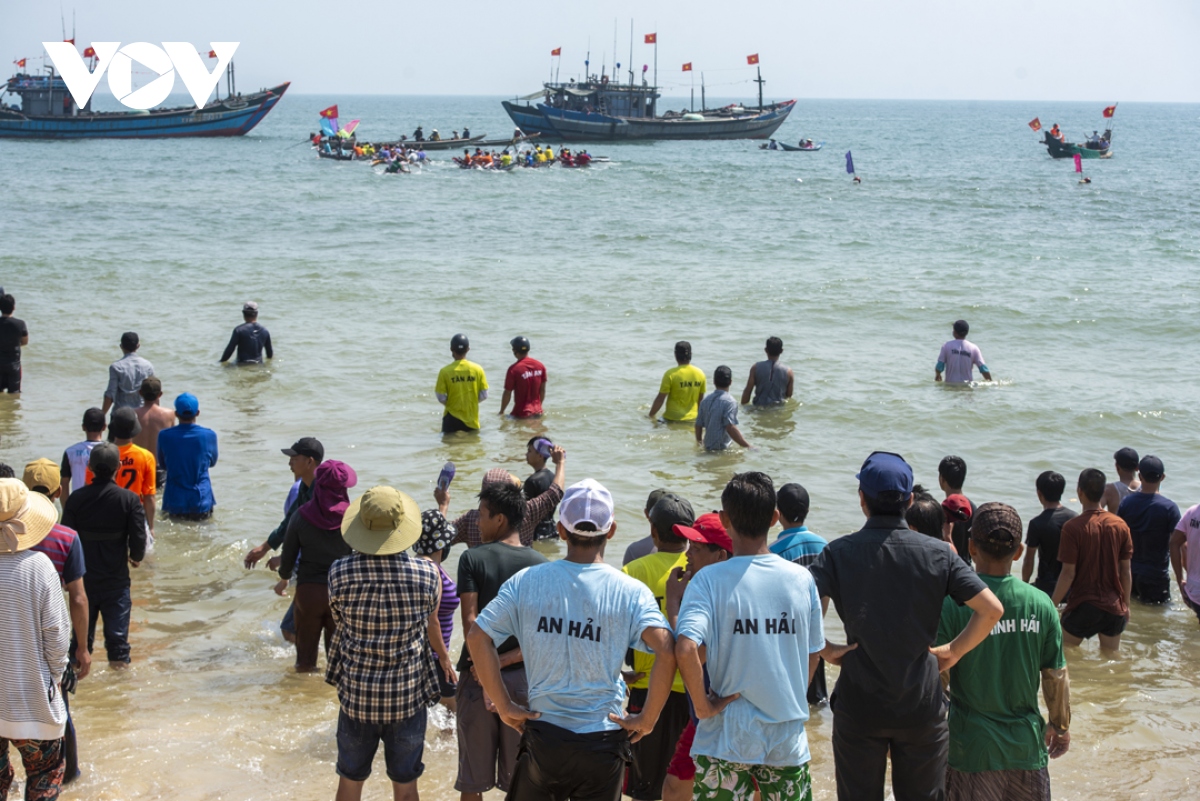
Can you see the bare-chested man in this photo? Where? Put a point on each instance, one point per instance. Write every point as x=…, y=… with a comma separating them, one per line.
x=154, y=418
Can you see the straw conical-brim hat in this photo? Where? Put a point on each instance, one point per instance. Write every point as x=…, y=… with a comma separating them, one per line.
x=27, y=517
x=381, y=521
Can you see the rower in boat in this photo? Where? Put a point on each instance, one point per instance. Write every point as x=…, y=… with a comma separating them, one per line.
x=421, y=154
x=566, y=158
x=466, y=132
x=506, y=159
x=549, y=153
x=772, y=145
x=583, y=159
x=1057, y=134
x=419, y=134
x=454, y=135
x=435, y=136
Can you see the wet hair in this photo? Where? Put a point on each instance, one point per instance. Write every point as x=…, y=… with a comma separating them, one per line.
x=892, y=503
x=151, y=388
x=954, y=470
x=505, y=498
x=1051, y=485
x=749, y=502
x=774, y=346
x=7, y=304
x=1091, y=484
x=926, y=516
x=6, y=471
x=683, y=351
x=723, y=377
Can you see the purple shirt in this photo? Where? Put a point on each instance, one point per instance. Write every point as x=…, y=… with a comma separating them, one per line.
x=450, y=602
x=959, y=358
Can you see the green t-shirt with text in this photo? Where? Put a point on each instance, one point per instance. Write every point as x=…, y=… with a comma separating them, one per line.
x=995, y=723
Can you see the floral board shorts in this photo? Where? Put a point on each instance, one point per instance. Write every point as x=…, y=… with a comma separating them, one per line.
x=718, y=780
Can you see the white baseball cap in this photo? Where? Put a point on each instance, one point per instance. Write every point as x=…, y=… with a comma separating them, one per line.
x=587, y=502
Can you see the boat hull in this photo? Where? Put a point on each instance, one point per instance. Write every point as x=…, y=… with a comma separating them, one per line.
x=223, y=118
x=579, y=126
x=530, y=120
x=1066, y=150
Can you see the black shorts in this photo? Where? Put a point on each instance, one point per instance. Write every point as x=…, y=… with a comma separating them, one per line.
x=653, y=753
x=1086, y=621
x=451, y=424
x=10, y=376
x=556, y=763
x=1152, y=589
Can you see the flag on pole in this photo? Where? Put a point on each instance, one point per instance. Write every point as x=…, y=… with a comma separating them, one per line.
x=1035, y=124
x=72, y=41
x=652, y=38
x=1111, y=110
x=1078, y=163
x=329, y=126
x=212, y=53
x=687, y=67
x=20, y=63
x=849, y=163
x=645, y=67
x=752, y=59
x=89, y=52
x=348, y=130
x=556, y=51
x=330, y=113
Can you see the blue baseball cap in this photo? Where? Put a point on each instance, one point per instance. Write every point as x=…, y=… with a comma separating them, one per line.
x=186, y=405
x=885, y=472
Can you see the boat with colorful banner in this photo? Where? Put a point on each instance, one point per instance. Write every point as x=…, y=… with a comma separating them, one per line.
x=1097, y=146
x=47, y=111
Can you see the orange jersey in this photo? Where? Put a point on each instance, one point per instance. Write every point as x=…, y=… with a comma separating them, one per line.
x=137, y=470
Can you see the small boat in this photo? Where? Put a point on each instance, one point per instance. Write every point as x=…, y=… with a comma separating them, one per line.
x=1095, y=149
x=336, y=155
x=810, y=148
x=439, y=144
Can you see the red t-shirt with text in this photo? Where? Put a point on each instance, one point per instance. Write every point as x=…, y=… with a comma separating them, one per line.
x=525, y=380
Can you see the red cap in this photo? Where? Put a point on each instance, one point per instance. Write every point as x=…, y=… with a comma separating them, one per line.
x=957, y=507
x=706, y=529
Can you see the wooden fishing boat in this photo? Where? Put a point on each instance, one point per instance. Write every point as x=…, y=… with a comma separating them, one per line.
x=1101, y=149
x=796, y=149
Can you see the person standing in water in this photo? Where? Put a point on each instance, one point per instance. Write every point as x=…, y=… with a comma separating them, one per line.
x=526, y=379
x=249, y=339
x=682, y=387
x=771, y=381
x=959, y=358
x=461, y=386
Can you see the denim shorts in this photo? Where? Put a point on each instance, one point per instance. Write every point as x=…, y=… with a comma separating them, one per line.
x=403, y=747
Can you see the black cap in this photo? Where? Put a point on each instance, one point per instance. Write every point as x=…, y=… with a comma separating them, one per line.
x=105, y=458
x=125, y=424
x=1126, y=458
x=93, y=420
x=670, y=511
x=520, y=343
x=723, y=376
x=961, y=327
x=654, y=498
x=306, y=446
x=1151, y=468
x=130, y=341
x=792, y=501
x=683, y=351
x=459, y=343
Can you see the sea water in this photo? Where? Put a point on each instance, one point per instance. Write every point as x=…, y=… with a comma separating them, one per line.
x=1082, y=298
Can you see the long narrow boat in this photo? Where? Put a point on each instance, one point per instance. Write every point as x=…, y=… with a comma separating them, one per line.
x=1087, y=150
x=794, y=149
x=47, y=111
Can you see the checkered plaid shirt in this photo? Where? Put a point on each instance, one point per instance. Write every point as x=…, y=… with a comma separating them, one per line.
x=536, y=510
x=380, y=659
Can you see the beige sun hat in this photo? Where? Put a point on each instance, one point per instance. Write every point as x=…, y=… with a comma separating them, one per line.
x=27, y=517
x=381, y=521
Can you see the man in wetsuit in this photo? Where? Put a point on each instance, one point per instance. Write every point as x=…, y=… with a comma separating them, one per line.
x=250, y=339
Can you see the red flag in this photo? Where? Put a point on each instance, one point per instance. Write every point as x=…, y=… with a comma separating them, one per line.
x=1108, y=112
x=556, y=51
x=89, y=52
x=652, y=38
x=1078, y=163
x=212, y=53
x=330, y=112
x=72, y=41
x=752, y=59
x=1035, y=124
x=20, y=63
x=687, y=67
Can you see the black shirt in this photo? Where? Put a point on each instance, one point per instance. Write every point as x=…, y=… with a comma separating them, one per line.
x=250, y=339
x=1044, y=533
x=888, y=583
x=960, y=535
x=484, y=570
x=317, y=548
x=12, y=331
x=111, y=524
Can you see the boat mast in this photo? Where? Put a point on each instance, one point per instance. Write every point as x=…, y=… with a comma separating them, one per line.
x=759, y=80
x=703, y=107
x=631, y=54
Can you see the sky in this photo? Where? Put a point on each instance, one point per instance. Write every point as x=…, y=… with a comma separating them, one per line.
x=1101, y=50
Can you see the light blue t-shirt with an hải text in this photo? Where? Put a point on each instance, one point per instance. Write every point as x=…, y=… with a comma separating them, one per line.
x=575, y=623
x=760, y=619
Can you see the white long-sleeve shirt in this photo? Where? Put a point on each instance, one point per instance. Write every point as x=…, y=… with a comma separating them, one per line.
x=34, y=639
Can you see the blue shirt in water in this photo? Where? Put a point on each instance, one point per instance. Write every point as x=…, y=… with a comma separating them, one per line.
x=575, y=622
x=755, y=613
x=186, y=451
x=798, y=545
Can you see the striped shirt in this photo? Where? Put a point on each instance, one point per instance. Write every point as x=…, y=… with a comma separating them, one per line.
x=380, y=658
x=65, y=552
x=33, y=648
x=536, y=510
x=798, y=545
